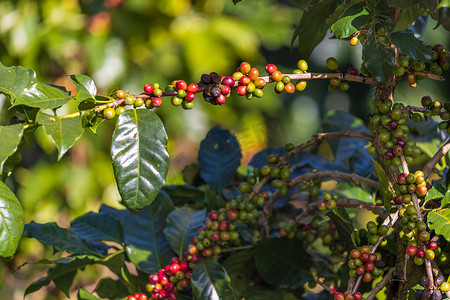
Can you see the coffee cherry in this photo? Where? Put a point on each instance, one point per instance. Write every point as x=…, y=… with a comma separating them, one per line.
x=129, y=100
x=300, y=85
x=270, y=68
x=420, y=253
x=253, y=74
x=411, y=250
x=302, y=65
x=109, y=113
x=354, y=41
x=445, y=287
x=432, y=245
x=244, y=67
x=120, y=110
x=429, y=254
x=148, y=89
x=332, y=63
x=120, y=94
x=367, y=277
x=289, y=88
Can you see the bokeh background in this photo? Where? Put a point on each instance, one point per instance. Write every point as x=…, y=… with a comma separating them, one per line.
x=128, y=43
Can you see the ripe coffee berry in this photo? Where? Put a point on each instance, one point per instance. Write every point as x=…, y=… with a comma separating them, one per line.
x=156, y=101
x=148, y=89
x=192, y=88
x=354, y=41
x=120, y=94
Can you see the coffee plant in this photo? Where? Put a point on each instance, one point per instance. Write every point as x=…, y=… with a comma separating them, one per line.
x=279, y=229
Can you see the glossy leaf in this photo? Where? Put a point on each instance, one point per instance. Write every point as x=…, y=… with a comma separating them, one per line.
x=350, y=21
x=379, y=59
x=438, y=220
x=12, y=221
x=219, y=157
x=312, y=27
x=85, y=86
x=405, y=41
x=85, y=295
x=146, y=245
x=97, y=227
x=407, y=17
x=43, y=96
x=140, y=158
x=64, y=132
x=354, y=191
x=241, y=268
x=182, y=225
x=60, y=239
x=13, y=80
x=384, y=184
x=109, y=288
x=10, y=137
x=210, y=281
x=12, y=161
x=283, y=262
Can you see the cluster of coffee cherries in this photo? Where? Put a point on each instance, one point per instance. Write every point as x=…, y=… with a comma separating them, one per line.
x=280, y=174
x=407, y=66
x=345, y=295
x=364, y=263
x=218, y=232
x=417, y=253
x=335, y=82
x=408, y=184
x=375, y=232
x=393, y=133
x=175, y=277
x=328, y=202
x=437, y=108
x=441, y=286
x=138, y=296
x=312, y=187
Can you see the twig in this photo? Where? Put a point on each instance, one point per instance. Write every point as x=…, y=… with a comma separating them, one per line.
x=325, y=287
x=379, y=286
x=429, y=166
x=313, y=141
x=334, y=174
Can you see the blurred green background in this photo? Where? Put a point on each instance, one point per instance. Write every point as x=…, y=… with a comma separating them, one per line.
x=128, y=43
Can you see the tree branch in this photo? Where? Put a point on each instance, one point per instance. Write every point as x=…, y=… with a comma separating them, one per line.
x=429, y=166
x=380, y=285
x=334, y=174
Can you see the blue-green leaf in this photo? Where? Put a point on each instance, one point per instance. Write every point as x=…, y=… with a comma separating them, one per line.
x=97, y=227
x=182, y=225
x=210, y=281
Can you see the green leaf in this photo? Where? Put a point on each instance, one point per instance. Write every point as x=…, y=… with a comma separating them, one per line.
x=64, y=132
x=283, y=262
x=12, y=162
x=241, y=268
x=85, y=295
x=43, y=96
x=433, y=194
x=384, y=184
x=259, y=292
x=111, y=289
x=407, y=42
x=60, y=239
x=146, y=244
x=379, y=59
x=182, y=225
x=85, y=86
x=439, y=221
x=13, y=80
x=210, y=281
x=353, y=191
x=312, y=27
x=10, y=136
x=344, y=227
x=444, y=3
x=11, y=221
x=97, y=227
x=407, y=17
x=65, y=269
x=353, y=19
x=91, y=119
x=140, y=158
